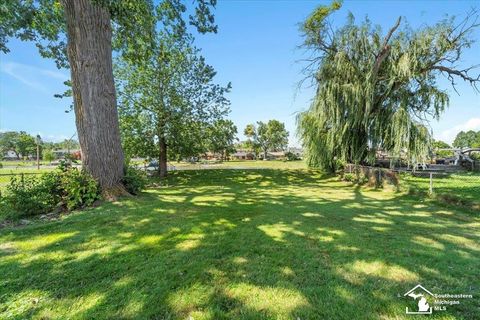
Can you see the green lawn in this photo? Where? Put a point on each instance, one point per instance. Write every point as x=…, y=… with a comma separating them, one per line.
x=246, y=164
x=465, y=186
x=242, y=244
x=7, y=173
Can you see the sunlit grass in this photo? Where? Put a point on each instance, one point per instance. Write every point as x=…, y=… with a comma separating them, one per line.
x=242, y=244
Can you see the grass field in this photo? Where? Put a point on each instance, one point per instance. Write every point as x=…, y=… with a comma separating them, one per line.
x=464, y=186
x=242, y=244
x=7, y=173
x=274, y=164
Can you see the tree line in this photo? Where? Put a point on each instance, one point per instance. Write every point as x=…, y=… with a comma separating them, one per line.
x=24, y=145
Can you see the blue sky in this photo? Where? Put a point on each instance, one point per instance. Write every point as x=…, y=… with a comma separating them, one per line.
x=255, y=49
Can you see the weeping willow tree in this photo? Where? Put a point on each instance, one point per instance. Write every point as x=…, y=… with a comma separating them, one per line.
x=375, y=91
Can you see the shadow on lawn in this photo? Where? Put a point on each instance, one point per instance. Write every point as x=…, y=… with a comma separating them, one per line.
x=245, y=244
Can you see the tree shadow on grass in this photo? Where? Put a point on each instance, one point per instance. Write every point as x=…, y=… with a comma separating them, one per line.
x=234, y=244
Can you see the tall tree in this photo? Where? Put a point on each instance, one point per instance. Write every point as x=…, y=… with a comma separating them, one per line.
x=221, y=137
x=374, y=90
x=82, y=31
x=269, y=136
x=89, y=50
x=250, y=132
x=168, y=98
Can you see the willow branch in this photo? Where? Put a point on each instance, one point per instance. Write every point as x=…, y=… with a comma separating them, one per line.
x=385, y=48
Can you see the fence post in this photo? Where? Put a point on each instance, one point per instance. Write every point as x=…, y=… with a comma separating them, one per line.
x=431, y=183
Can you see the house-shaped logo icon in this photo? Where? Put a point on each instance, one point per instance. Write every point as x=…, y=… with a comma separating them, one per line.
x=420, y=293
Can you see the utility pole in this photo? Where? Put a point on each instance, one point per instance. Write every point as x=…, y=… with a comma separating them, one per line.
x=38, y=140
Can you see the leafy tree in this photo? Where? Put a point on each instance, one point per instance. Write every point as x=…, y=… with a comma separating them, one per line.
x=221, y=136
x=26, y=145
x=21, y=143
x=250, y=133
x=168, y=99
x=9, y=142
x=374, y=90
x=78, y=34
x=467, y=139
x=270, y=136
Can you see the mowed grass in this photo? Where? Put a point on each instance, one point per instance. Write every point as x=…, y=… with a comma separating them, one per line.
x=465, y=186
x=245, y=164
x=242, y=244
x=6, y=174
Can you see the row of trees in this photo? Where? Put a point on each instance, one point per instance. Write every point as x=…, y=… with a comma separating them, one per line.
x=24, y=145
x=375, y=91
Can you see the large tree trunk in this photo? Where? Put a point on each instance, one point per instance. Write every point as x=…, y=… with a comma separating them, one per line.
x=162, y=163
x=90, y=54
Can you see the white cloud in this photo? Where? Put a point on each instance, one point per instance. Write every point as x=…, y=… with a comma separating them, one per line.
x=30, y=75
x=449, y=135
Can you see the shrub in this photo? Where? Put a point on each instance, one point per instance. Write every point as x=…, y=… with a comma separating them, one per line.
x=48, y=155
x=291, y=156
x=350, y=177
x=134, y=180
x=79, y=189
x=29, y=196
x=67, y=189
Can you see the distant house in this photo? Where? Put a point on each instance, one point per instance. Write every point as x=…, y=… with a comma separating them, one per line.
x=274, y=155
x=10, y=155
x=60, y=154
x=242, y=155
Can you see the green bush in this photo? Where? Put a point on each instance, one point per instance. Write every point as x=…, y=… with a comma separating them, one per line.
x=134, y=180
x=48, y=155
x=64, y=189
x=350, y=177
x=79, y=189
x=29, y=196
x=291, y=156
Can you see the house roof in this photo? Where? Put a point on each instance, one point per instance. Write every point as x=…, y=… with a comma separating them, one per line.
x=241, y=154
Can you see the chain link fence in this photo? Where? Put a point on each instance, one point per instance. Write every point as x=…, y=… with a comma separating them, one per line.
x=448, y=183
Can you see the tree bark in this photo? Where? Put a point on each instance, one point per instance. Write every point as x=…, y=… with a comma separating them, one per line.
x=90, y=55
x=162, y=163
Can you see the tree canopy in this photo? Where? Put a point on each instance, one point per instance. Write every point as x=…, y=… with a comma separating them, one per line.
x=21, y=143
x=467, y=139
x=168, y=99
x=375, y=90
x=269, y=136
